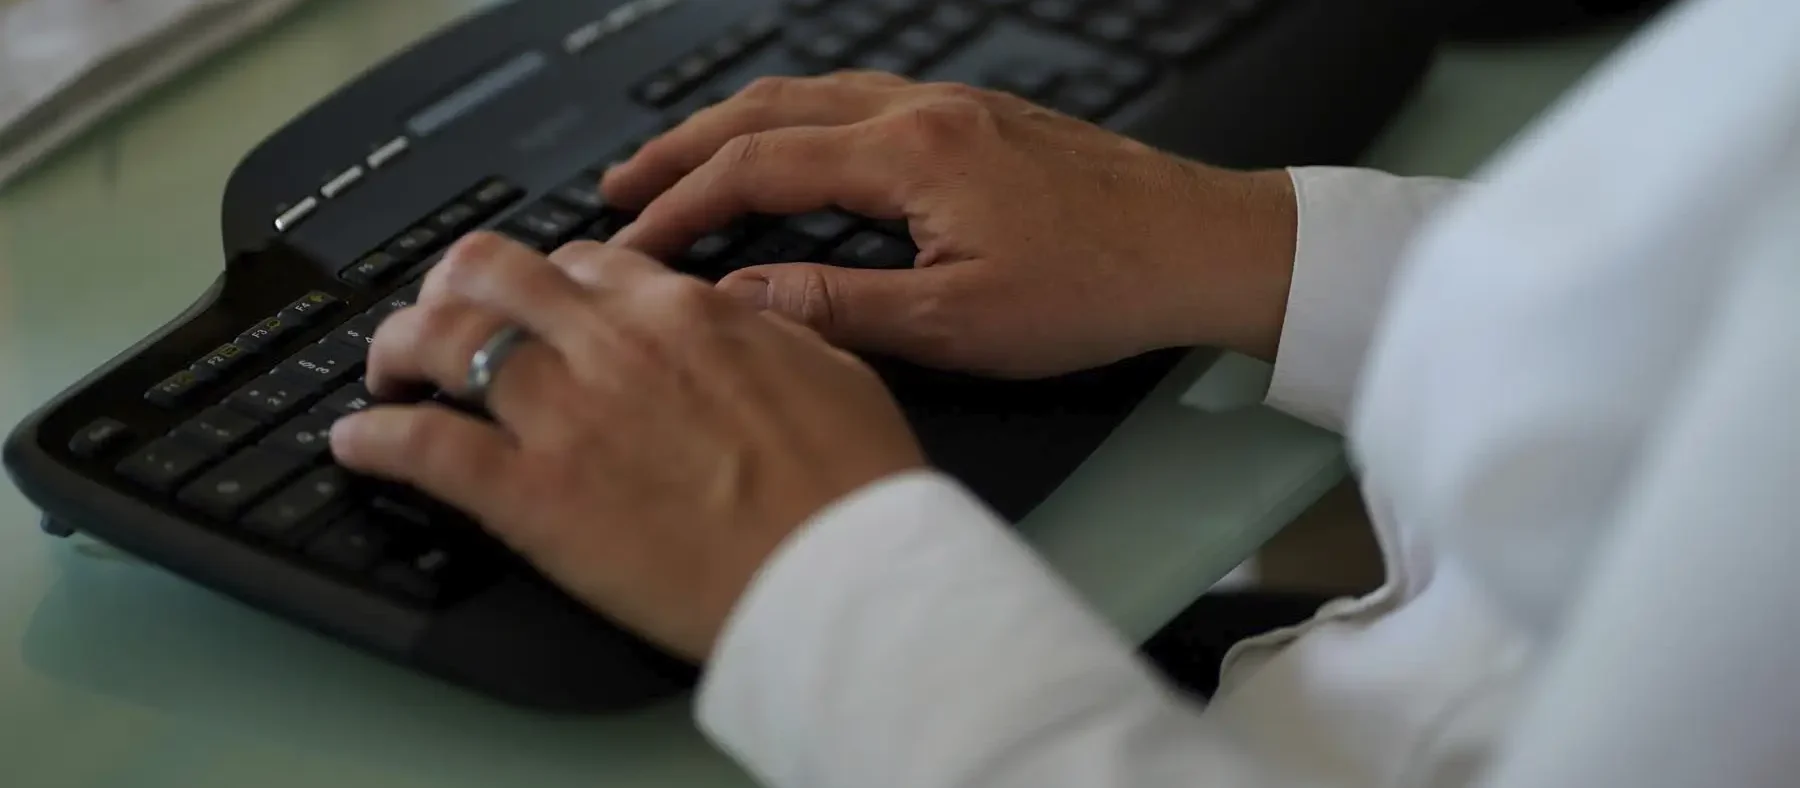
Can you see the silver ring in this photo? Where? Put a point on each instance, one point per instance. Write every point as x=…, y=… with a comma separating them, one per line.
x=486, y=363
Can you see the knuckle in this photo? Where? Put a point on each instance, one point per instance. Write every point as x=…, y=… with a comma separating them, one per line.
x=768, y=88
x=688, y=300
x=467, y=262
x=945, y=123
x=744, y=150
x=813, y=301
x=958, y=91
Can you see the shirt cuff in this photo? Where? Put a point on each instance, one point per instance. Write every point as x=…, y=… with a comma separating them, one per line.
x=1355, y=227
x=897, y=640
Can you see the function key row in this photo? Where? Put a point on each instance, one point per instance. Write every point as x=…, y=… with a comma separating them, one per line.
x=699, y=66
x=1173, y=29
x=176, y=390
x=896, y=36
x=436, y=231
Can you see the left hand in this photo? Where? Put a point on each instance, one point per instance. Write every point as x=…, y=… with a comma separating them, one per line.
x=654, y=442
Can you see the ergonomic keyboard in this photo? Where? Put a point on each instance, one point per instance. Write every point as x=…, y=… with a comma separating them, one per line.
x=203, y=449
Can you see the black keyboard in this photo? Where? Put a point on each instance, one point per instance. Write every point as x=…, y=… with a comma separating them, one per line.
x=204, y=449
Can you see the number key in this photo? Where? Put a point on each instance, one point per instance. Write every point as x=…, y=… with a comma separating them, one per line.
x=350, y=399
x=274, y=397
x=358, y=332
x=220, y=429
x=307, y=437
x=326, y=363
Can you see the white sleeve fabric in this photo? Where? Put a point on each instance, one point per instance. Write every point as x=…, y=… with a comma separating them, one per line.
x=1355, y=228
x=908, y=639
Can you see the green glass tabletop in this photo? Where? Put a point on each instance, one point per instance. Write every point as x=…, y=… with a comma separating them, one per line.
x=115, y=674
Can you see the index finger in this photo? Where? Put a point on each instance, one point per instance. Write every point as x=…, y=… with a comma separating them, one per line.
x=782, y=172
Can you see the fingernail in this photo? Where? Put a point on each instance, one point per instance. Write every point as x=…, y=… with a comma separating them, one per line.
x=752, y=290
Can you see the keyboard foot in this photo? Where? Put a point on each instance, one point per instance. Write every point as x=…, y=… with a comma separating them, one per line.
x=56, y=528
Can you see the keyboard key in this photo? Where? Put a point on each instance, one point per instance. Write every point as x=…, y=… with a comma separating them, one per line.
x=414, y=244
x=219, y=429
x=310, y=307
x=456, y=219
x=1032, y=80
x=285, y=517
x=98, y=438
x=219, y=363
x=761, y=28
x=1129, y=73
x=423, y=578
x=372, y=268
x=1113, y=27
x=307, y=437
x=226, y=490
x=494, y=195
x=1055, y=12
x=358, y=332
x=923, y=42
x=398, y=300
x=163, y=465
x=1187, y=37
x=326, y=362
x=875, y=250
x=808, y=6
x=1150, y=10
x=660, y=91
x=583, y=195
x=1090, y=99
x=609, y=225
x=353, y=398
x=353, y=544
x=544, y=226
x=823, y=226
x=266, y=333
x=890, y=61
x=828, y=49
x=175, y=389
x=958, y=20
x=407, y=507
x=709, y=250
x=727, y=48
x=693, y=68
x=274, y=397
x=857, y=22
x=781, y=246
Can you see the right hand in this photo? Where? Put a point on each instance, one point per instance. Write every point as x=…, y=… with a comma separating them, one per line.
x=1048, y=245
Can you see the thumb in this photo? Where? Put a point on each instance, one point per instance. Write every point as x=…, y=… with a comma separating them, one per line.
x=883, y=311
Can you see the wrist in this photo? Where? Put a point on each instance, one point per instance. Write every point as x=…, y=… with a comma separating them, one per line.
x=1236, y=263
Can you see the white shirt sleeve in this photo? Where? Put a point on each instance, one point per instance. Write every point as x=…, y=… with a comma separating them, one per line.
x=1355, y=228
x=907, y=638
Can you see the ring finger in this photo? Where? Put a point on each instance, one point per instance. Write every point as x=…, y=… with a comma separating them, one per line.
x=436, y=344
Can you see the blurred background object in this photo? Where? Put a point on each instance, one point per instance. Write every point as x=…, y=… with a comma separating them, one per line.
x=67, y=64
